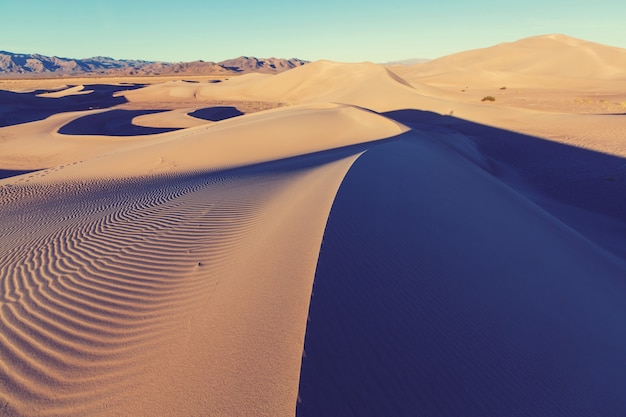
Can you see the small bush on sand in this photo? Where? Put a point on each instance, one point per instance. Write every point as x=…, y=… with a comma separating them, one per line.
x=503, y=88
x=488, y=98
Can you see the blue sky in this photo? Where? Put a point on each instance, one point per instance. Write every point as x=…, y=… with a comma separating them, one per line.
x=351, y=31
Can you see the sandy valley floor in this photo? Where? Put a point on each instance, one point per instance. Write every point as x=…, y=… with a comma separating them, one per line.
x=334, y=240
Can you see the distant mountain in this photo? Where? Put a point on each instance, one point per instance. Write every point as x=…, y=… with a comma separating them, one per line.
x=35, y=64
x=269, y=65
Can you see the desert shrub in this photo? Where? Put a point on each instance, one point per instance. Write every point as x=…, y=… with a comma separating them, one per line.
x=502, y=88
x=488, y=98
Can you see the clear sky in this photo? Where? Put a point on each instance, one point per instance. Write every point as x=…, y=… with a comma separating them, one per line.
x=339, y=30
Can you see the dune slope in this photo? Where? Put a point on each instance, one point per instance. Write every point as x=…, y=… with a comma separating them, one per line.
x=442, y=291
x=124, y=290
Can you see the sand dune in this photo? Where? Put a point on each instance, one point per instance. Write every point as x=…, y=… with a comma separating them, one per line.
x=548, y=74
x=365, y=84
x=186, y=117
x=266, y=136
x=38, y=144
x=146, y=308
x=559, y=57
x=338, y=239
x=69, y=91
x=176, y=119
x=138, y=252
x=544, y=55
x=448, y=88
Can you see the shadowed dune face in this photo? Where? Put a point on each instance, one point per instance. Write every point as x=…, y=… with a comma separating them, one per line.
x=111, y=123
x=442, y=291
x=566, y=174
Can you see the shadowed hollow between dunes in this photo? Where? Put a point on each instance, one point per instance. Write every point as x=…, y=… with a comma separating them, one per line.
x=442, y=290
x=17, y=108
x=116, y=122
x=216, y=113
x=119, y=122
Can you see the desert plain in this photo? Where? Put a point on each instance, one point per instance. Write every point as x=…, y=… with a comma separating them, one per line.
x=440, y=239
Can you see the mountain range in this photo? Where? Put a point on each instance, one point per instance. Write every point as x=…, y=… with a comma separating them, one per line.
x=15, y=64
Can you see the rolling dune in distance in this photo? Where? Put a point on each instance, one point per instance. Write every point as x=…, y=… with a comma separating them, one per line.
x=334, y=240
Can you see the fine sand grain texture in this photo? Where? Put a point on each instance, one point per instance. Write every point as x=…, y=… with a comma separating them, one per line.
x=334, y=240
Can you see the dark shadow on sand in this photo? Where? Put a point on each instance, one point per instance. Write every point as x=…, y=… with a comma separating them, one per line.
x=443, y=290
x=215, y=114
x=8, y=173
x=562, y=173
x=112, y=123
x=16, y=108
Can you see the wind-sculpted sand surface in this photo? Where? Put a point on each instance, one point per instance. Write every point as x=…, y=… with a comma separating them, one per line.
x=334, y=240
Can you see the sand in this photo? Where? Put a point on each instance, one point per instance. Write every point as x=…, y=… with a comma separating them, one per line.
x=337, y=239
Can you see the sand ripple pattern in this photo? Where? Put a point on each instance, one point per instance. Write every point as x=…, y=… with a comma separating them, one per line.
x=81, y=296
